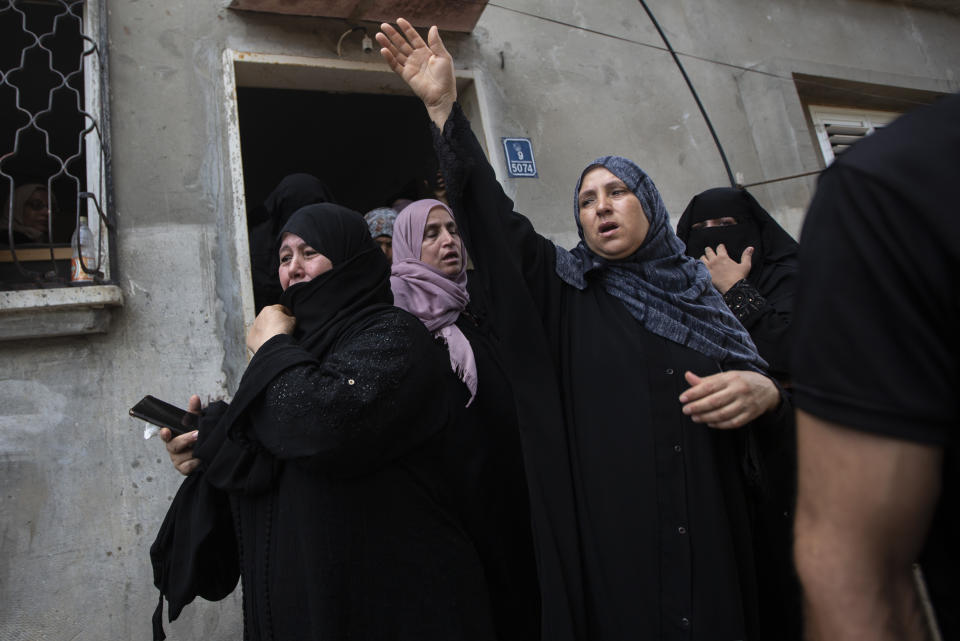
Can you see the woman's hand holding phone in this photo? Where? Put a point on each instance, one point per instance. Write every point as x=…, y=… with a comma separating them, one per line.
x=180, y=448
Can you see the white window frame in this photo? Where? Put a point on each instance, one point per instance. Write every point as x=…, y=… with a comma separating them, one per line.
x=66, y=311
x=861, y=118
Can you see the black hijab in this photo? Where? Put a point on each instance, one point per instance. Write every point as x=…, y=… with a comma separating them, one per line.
x=775, y=251
x=293, y=193
x=325, y=307
x=190, y=557
x=360, y=278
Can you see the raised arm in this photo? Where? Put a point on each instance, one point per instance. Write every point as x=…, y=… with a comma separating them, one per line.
x=426, y=67
x=502, y=243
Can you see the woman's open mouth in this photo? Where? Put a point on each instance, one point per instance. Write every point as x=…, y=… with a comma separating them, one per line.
x=607, y=227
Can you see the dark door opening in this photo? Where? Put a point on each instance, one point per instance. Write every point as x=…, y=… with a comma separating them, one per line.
x=368, y=149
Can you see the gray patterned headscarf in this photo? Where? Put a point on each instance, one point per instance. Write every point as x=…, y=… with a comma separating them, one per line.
x=669, y=293
x=380, y=221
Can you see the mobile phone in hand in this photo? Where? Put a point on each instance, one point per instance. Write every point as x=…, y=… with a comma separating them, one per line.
x=163, y=414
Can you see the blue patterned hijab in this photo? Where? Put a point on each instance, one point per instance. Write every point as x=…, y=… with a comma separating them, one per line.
x=669, y=293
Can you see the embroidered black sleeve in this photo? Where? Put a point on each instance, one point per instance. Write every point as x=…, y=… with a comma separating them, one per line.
x=451, y=146
x=745, y=301
x=362, y=404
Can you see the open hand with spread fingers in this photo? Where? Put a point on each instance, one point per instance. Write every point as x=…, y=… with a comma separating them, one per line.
x=426, y=67
x=725, y=272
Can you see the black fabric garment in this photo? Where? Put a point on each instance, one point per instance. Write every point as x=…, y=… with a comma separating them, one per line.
x=877, y=347
x=771, y=501
x=20, y=240
x=639, y=518
x=489, y=489
x=764, y=304
x=331, y=454
x=194, y=553
x=358, y=282
x=353, y=538
x=264, y=222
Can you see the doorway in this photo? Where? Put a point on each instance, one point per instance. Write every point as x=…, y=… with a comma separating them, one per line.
x=353, y=125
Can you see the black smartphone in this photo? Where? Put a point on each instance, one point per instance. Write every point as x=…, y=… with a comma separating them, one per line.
x=153, y=410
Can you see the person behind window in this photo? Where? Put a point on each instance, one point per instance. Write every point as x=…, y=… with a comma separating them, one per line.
x=380, y=221
x=292, y=193
x=31, y=208
x=330, y=453
x=484, y=461
x=753, y=263
x=639, y=511
x=876, y=368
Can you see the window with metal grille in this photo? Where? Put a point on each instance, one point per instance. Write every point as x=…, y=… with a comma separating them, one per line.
x=838, y=128
x=54, y=156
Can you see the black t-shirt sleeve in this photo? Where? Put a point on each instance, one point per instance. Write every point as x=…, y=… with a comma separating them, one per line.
x=875, y=323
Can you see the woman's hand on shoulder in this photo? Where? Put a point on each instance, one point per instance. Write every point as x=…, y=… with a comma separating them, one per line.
x=729, y=399
x=272, y=320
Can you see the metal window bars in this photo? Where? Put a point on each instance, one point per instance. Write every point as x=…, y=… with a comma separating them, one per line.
x=51, y=136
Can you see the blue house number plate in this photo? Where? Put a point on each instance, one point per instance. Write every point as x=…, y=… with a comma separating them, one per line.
x=519, y=154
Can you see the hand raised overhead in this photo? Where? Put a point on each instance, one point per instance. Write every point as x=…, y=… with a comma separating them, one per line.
x=425, y=66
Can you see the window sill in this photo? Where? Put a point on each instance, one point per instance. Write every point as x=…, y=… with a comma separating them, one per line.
x=65, y=311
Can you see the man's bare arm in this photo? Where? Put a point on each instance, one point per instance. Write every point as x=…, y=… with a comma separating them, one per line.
x=864, y=506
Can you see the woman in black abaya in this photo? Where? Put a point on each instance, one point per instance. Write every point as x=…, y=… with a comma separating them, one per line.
x=753, y=263
x=488, y=488
x=331, y=456
x=755, y=270
x=622, y=357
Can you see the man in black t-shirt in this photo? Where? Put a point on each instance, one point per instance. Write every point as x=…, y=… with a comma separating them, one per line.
x=876, y=367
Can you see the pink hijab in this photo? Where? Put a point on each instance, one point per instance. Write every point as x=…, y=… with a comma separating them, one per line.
x=427, y=293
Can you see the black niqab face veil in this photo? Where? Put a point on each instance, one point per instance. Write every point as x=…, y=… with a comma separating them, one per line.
x=755, y=228
x=360, y=277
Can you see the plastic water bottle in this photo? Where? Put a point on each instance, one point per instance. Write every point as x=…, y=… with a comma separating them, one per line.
x=86, y=249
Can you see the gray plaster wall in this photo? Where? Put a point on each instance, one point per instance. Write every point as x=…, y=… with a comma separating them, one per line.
x=83, y=495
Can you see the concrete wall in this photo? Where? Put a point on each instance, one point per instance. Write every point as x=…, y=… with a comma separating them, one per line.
x=83, y=495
